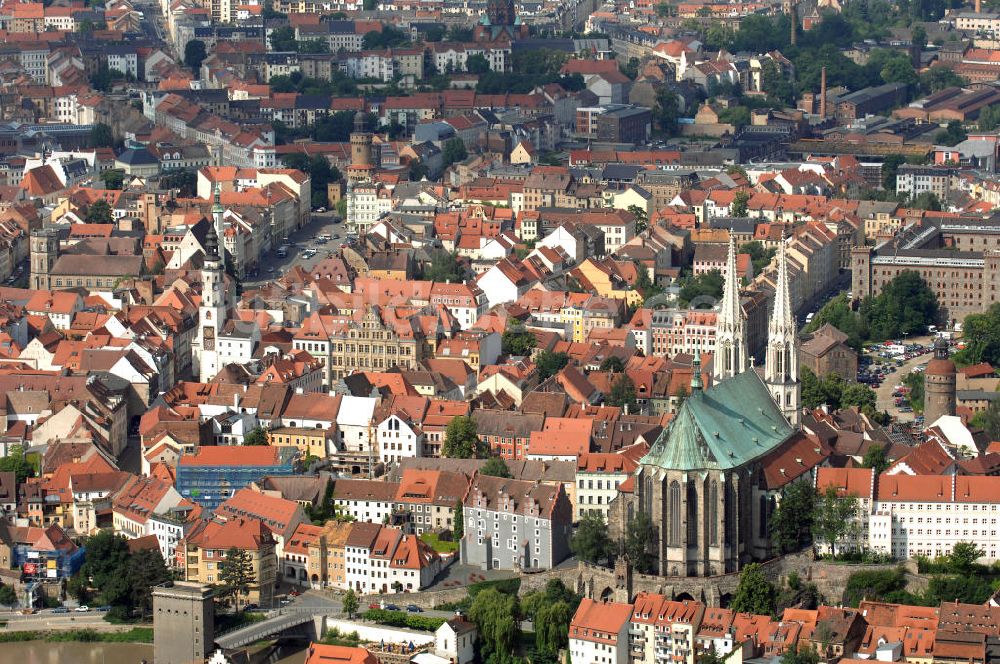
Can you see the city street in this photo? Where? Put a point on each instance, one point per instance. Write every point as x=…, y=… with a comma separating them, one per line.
x=47, y=620
x=302, y=239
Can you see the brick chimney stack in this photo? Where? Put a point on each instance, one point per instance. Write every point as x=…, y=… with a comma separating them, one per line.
x=822, y=93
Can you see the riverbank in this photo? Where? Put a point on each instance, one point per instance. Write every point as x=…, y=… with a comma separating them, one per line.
x=133, y=635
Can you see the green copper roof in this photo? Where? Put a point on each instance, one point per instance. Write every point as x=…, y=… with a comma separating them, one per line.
x=725, y=426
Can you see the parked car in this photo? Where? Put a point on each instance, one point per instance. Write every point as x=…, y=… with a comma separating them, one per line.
x=373, y=605
x=82, y=608
x=60, y=609
x=392, y=607
x=250, y=607
x=413, y=608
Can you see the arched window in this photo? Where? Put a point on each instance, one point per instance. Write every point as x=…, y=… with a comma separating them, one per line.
x=647, y=497
x=730, y=512
x=762, y=525
x=692, y=514
x=713, y=513
x=675, y=513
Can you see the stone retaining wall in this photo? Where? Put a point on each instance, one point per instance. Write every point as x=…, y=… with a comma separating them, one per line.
x=599, y=582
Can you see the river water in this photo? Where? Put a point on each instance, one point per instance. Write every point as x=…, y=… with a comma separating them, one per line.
x=41, y=652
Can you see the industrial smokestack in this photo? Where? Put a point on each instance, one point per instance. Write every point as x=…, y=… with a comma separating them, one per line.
x=794, y=19
x=822, y=92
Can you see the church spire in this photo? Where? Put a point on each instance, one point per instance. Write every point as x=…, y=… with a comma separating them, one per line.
x=781, y=369
x=730, y=333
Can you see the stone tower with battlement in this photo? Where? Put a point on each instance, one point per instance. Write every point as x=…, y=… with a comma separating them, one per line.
x=44, y=248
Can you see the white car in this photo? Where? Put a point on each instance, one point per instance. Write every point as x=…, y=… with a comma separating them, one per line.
x=82, y=609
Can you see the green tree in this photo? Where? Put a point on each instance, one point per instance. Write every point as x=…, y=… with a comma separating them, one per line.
x=792, y=519
x=981, y=333
x=459, y=33
x=938, y=78
x=101, y=136
x=350, y=604
x=99, y=212
x=989, y=420
x=477, y=64
x=838, y=313
x=283, y=39
x=552, y=627
x=388, y=37
x=899, y=70
x=256, y=436
x=834, y=519
x=458, y=522
x=801, y=655
x=517, y=340
x=15, y=462
x=8, y=596
x=113, y=178
x=890, y=165
x=591, y=542
x=953, y=134
x=236, y=574
x=195, y=54
x=989, y=117
x=875, y=458
x=915, y=381
x=926, y=200
x=622, y=393
x=146, y=570
x=759, y=256
x=444, y=268
x=754, y=593
x=885, y=585
x=495, y=614
x=906, y=305
x=461, y=440
x=738, y=208
x=454, y=151
x=667, y=110
x=918, y=37
x=639, y=537
x=641, y=218
x=704, y=289
x=612, y=363
x=495, y=467
x=105, y=566
x=964, y=556
x=549, y=363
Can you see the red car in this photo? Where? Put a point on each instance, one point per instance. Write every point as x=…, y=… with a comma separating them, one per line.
x=373, y=606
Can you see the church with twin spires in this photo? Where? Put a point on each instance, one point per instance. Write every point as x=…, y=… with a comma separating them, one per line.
x=703, y=482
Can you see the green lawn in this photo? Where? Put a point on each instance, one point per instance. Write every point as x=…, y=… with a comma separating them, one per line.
x=438, y=544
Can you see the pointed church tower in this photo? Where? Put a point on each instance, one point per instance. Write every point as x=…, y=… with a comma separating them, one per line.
x=212, y=312
x=217, y=214
x=730, y=332
x=781, y=369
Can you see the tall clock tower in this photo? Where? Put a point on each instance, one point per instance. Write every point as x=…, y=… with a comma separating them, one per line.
x=212, y=312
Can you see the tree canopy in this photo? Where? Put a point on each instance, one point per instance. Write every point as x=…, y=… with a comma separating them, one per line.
x=981, y=333
x=194, y=54
x=702, y=291
x=835, y=518
x=754, y=594
x=461, y=440
x=550, y=363
x=591, y=542
x=495, y=467
x=906, y=305
x=639, y=539
x=792, y=519
x=517, y=340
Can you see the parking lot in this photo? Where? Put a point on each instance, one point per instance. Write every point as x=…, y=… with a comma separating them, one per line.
x=304, y=248
x=883, y=370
